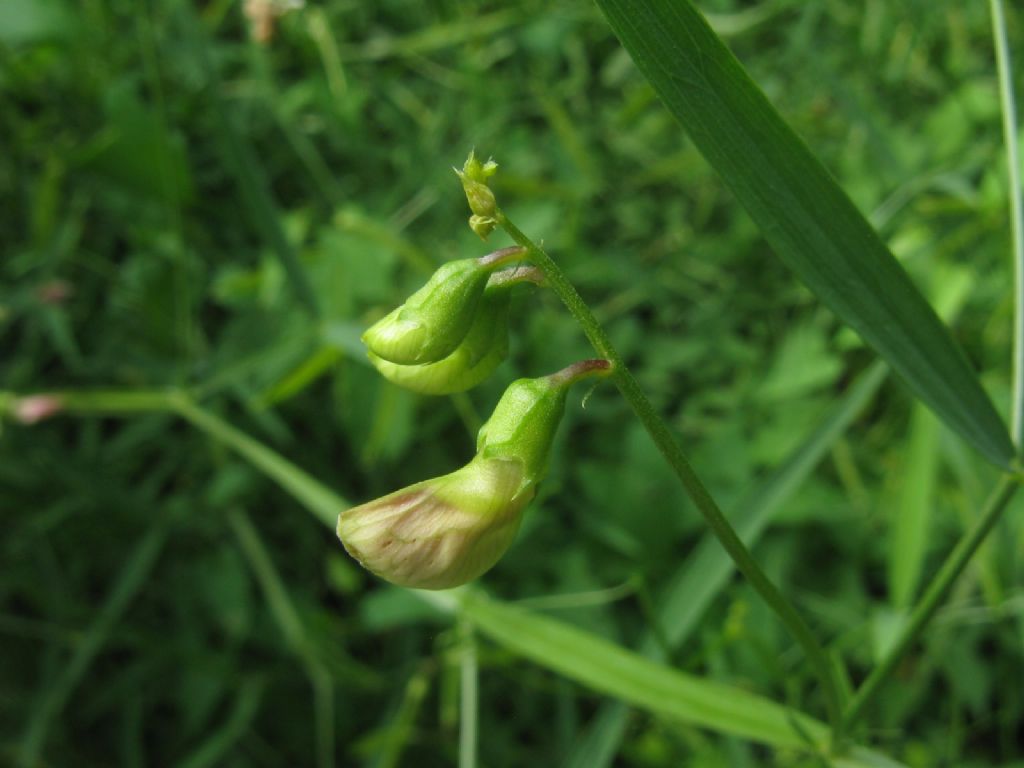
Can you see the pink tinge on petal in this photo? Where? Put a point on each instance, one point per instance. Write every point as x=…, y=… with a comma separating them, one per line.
x=35, y=408
x=442, y=532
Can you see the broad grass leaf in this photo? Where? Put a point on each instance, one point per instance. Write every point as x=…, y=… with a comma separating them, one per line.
x=802, y=212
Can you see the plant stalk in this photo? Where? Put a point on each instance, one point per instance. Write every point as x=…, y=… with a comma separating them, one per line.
x=933, y=597
x=1016, y=195
x=673, y=454
x=468, y=695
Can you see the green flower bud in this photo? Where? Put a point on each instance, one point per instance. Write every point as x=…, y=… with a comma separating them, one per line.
x=435, y=319
x=441, y=533
x=474, y=176
x=482, y=225
x=476, y=357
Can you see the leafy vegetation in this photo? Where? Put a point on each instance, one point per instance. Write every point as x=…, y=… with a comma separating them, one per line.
x=199, y=225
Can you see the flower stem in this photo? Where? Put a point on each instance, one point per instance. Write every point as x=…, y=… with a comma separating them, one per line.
x=675, y=457
x=933, y=598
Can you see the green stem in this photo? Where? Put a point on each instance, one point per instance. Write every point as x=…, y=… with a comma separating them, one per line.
x=1016, y=195
x=933, y=597
x=282, y=608
x=675, y=457
x=117, y=401
x=468, y=695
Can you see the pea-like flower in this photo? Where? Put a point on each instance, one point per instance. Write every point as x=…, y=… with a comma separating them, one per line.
x=444, y=532
x=436, y=318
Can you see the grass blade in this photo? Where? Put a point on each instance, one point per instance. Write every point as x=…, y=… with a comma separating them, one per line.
x=274, y=591
x=934, y=595
x=807, y=218
x=913, y=513
x=247, y=168
x=1016, y=195
x=398, y=735
x=706, y=572
x=612, y=670
x=665, y=692
x=469, y=703
x=324, y=503
x=129, y=582
x=288, y=620
x=213, y=751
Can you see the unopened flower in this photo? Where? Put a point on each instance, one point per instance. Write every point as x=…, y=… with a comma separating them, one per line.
x=443, y=532
x=476, y=357
x=478, y=354
x=474, y=176
x=436, y=318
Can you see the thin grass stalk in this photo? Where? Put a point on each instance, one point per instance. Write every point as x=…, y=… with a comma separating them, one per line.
x=325, y=504
x=130, y=579
x=933, y=598
x=283, y=609
x=468, y=696
x=1016, y=195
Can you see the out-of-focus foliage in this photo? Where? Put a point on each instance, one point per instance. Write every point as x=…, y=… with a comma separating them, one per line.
x=185, y=206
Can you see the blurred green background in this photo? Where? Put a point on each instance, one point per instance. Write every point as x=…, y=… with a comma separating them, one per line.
x=193, y=197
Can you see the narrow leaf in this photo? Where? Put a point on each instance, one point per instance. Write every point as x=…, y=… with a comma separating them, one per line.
x=1016, y=195
x=324, y=503
x=615, y=671
x=806, y=217
x=661, y=690
x=913, y=514
x=130, y=580
x=219, y=743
